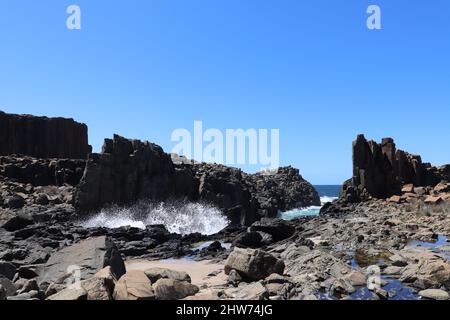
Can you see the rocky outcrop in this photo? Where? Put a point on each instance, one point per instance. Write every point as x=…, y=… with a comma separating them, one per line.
x=227, y=189
x=43, y=137
x=283, y=189
x=129, y=170
x=381, y=170
x=42, y=172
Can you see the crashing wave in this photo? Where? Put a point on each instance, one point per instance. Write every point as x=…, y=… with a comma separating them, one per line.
x=306, y=212
x=178, y=217
x=326, y=199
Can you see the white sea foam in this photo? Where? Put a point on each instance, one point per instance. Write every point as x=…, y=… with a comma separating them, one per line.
x=178, y=217
x=326, y=199
x=306, y=212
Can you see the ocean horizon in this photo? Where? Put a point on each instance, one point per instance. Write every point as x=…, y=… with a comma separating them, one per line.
x=327, y=193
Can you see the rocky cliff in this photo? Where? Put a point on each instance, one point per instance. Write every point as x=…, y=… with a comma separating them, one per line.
x=43, y=137
x=129, y=170
x=380, y=170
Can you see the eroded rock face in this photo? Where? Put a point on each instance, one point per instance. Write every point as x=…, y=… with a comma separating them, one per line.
x=283, y=189
x=380, y=170
x=130, y=170
x=226, y=188
x=43, y=137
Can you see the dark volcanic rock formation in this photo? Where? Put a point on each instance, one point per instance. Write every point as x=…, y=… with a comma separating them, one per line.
x=226, y=188
x=129, y=170
x=380, y=170
x=43, y=137
x=42, y=172
x=283, y=190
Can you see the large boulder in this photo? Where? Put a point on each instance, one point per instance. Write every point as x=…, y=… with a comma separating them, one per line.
x=277, y=228
x=134, y=285
x=90, y=255
x=98, y=288
x=154, y=274
x=8, y=286
x=253, y=264
x=15, y=202
x=434, y=294
x=248, y=240
x=7, y=270
x=171, y=289
x=17, y=222
x=424, y=269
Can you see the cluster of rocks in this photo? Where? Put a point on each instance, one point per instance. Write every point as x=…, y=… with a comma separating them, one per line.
x=92, y=269
x=380, y=171
x=407, y=242
x=41, y=172
x=429, y=195
x=30, y=182
x=43, y=137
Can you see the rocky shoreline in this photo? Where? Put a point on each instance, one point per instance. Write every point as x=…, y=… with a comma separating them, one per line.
x=384, y=238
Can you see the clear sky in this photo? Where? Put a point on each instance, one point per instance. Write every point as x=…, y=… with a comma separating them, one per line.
x=143, y=68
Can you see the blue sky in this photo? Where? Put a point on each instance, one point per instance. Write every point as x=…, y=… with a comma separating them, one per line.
x=310, y=68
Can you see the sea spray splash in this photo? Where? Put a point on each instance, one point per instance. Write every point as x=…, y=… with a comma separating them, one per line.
x=178, y=217
x=306, y=212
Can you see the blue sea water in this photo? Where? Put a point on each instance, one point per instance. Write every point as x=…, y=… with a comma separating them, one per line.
x=327, y=193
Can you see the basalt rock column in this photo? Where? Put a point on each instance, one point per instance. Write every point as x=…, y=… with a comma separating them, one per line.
x=43, y=137
x=380, y=170
x=130, y=170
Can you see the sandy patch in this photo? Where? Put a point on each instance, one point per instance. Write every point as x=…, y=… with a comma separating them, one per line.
x=203, y=273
